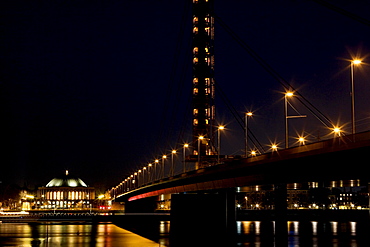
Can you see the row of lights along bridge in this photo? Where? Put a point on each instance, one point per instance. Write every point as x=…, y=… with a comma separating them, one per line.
x=156, y=170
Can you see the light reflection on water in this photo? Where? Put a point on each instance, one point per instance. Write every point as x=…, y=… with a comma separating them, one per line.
x=99, y=235
x=250, y=233
x=304, y=233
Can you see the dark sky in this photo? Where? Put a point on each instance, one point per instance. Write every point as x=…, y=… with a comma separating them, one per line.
x=103, y=87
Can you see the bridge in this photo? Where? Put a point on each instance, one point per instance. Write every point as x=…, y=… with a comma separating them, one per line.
x=340, y=158
x=206, y=177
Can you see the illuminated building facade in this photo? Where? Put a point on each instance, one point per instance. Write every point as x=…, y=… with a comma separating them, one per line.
x=203, y=76
x=66, y=192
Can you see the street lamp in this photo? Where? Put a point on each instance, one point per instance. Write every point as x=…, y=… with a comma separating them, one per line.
x=220, y=128
x=274, y=147
x=248, y=114
x=155, y=169
x=164, y=157
x=172, y=163
x=149, y=174
x=145, y=180
x=336, y=130
x=301, y=140
x=184, y=156
x=139, y=180
x=353, y=63
x=200, y=138
x=288, y=95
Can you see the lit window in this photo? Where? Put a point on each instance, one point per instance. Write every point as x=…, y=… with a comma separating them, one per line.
x=195, y=81
x=207, y=81
x=195, y=91
x=195, y=50
x=195, y=122
x=206, y=29
x=195, y=20
x=195, y=60
x=206, y=49
x=195, y=111
x=195, y=30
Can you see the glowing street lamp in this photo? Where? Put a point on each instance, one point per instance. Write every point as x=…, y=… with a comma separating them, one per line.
x=301, y=140
x=172, y=162
x=247, y=115
x=220, y=128
x=353, y=63
x=336, y=131
x=274, y=147
x=200, y=138
x=253, y=153
x=164, y=157
x=149, y=174
x=184, y=156
x=156, y=168
x=286, y=96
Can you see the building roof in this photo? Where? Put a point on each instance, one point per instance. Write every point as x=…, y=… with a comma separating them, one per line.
x=66, y=181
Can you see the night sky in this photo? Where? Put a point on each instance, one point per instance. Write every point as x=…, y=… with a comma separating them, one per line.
x=102, y=88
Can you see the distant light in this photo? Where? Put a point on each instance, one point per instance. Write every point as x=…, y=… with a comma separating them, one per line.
x=253, y=153
x=186, y=145
x=274, y=147
x=164, y=156
x=249, y=114
x=289, y=94
x=201, y=137
x=156, y=161
x=356, y=61
x=337, y=130
x=221, y=127
x=173, y=151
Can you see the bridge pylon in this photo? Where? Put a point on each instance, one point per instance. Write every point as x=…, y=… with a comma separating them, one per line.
x=203, y=78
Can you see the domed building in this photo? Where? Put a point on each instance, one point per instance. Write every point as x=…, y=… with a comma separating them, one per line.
x=66, y=192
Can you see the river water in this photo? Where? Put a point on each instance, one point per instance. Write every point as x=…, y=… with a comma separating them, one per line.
x=248, y=233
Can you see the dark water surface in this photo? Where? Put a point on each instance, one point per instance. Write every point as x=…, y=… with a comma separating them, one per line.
x=247, y=233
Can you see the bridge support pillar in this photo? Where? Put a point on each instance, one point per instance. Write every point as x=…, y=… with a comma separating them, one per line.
x=202, y=219
x=281, y=210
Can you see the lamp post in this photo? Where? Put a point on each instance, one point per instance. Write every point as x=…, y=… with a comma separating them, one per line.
x=353, y=63
x=200, y=138
x=164, y=157
x=139, y=180
x=220, y=128
x=287, y=94
x=184, y=156
x=248, y=114
x=149, y=175
x=155, y=169
x=144, y=180
x=172, y=163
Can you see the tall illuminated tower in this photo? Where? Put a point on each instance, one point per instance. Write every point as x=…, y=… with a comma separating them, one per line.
x=203, y=76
